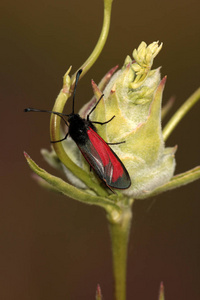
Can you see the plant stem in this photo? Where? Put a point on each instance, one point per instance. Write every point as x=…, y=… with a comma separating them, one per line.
x=181, y=112
x=63, y=96
x=119, y=232
x=100, y=44
x=61, y=152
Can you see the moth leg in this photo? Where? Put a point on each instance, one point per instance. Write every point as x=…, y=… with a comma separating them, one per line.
x=102, y=123
x=53, y=142
x=116, y=143
x=110, y=188
x=88, y=116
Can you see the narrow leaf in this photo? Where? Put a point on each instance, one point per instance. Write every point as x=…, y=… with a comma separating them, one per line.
x=71, y=191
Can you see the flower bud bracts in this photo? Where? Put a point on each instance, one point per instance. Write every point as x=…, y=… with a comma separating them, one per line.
x=133, y=95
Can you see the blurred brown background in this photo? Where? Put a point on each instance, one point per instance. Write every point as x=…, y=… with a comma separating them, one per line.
x=55, y=248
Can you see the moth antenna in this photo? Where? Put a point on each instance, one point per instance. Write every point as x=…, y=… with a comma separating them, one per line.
x=48, y=111
x=77, y=78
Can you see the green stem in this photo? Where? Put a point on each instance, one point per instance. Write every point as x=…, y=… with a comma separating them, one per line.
x=119, y=232
x=167, y=107
x=177, y=181
x=65, y=93
x=61, y=153
x=173, y=122
x=101, y=42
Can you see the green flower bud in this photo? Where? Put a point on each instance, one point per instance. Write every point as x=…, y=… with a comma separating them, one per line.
x=134, y=95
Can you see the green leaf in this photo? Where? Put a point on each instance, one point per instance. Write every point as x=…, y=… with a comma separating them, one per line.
x=73, y=192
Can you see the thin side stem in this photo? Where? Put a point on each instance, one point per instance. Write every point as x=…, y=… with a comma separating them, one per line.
x=101, y=41
x=61, y=153
x=167, y=107
x=177, y=181
x=65, y=93
x=181, y=112
x=119, y=232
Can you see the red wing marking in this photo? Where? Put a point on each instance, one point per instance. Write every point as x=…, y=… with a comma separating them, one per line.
x=106, y=154
x=104, y=161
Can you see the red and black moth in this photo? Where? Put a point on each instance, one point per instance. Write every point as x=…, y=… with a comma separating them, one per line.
x=96, y=151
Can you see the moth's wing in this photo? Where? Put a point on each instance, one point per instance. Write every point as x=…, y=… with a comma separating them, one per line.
x=104, y=161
